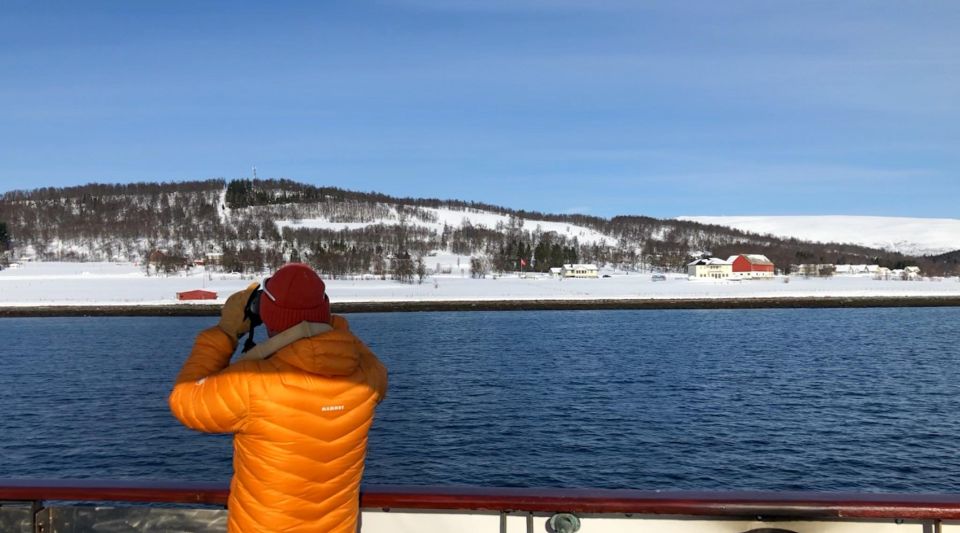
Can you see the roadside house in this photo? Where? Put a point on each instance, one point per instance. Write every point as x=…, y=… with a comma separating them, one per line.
x=578, y=270
x=856, y=270
x=814, y=269
x=710, y=267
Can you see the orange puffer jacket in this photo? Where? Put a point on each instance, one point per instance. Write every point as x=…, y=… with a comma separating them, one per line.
x=300, y=420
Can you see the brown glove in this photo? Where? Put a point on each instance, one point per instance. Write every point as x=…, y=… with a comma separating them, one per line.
x=232, y=320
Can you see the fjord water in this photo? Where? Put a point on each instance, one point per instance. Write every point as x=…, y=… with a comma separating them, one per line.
x=785, y=399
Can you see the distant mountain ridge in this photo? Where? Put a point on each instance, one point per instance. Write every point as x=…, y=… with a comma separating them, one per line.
x=255, y=224
x=914, y=236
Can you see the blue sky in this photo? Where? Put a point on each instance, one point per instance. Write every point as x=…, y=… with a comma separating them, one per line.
x=646, y=108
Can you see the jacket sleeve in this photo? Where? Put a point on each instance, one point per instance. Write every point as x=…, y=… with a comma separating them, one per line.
x=209, y=395
x=374, y=370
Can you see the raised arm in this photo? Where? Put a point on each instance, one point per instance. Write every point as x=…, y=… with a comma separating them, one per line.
x=205, y=396
x=208, y=394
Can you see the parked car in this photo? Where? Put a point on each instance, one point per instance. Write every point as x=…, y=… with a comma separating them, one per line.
x=659, y=277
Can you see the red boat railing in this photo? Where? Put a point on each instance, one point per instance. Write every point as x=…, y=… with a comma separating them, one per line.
x=747, y=505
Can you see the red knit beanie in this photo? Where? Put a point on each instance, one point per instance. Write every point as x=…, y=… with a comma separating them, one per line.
x=294, y=294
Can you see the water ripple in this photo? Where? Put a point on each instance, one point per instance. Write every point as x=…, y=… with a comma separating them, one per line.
x=787, y=399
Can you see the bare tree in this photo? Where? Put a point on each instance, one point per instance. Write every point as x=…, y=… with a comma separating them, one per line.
x=403, y=267
x=478, y=267
x=421, y=270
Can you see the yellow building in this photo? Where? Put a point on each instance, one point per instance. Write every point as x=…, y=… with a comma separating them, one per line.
x=710, y=268
x=580, y=271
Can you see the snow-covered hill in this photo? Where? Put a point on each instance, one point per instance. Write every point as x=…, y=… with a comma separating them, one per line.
x=455, y=218
x=256, y=225
x=914, y=236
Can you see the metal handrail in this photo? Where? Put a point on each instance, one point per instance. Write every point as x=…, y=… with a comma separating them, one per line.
x=734, y=504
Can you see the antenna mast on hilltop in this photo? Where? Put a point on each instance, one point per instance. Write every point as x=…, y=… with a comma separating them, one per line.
x=254, y=172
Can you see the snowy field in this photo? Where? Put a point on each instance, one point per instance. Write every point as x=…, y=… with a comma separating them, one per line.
x=105, y=284
x=914, y=236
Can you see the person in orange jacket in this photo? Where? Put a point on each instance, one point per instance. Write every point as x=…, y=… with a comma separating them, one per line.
x=300, y=408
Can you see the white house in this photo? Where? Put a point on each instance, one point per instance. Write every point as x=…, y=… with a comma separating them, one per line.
x=911, y=272
x=710, y=267
x=556, y=272
x=851, y=270
x=580, y=271
x=844, y=270
x=856, y=270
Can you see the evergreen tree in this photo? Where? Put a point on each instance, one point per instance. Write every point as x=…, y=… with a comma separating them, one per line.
x=230, y=261
x=557, y=255
x=4, y=237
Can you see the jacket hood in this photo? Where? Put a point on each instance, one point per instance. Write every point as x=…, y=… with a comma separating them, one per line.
x=332, y=353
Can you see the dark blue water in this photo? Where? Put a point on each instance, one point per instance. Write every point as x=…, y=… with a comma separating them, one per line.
x=847, y=399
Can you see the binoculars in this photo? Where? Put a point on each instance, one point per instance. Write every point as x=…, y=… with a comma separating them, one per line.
x=251, y=311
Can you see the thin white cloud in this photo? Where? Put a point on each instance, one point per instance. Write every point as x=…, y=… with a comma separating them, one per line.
x=514, y=6
x=786, y=177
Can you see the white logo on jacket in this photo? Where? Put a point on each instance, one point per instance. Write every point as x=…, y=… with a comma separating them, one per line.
x=328, y=408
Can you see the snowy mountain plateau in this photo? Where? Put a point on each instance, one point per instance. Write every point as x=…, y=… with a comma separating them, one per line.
x=910, y=236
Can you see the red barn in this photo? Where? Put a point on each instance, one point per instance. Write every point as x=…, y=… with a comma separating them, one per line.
x=751, y=266
x=197, y=295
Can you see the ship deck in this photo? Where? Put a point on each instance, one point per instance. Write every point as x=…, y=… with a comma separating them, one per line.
x=78, y=506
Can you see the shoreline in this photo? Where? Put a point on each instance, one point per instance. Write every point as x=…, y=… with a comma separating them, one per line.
x=800, y=302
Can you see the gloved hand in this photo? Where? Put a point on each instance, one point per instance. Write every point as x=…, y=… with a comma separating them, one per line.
x=232, y=320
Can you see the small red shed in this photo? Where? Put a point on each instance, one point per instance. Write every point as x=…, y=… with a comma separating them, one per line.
x=197, y=295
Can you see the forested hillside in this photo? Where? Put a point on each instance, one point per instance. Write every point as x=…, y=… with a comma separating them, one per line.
x=250, y=225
